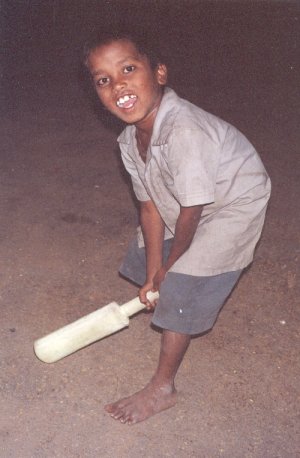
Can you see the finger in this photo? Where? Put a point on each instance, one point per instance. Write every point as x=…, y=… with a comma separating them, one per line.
x=152, y=304
x=148, y=305
x=143, y=297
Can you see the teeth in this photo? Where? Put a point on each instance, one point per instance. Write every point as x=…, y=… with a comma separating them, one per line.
x=122, y=100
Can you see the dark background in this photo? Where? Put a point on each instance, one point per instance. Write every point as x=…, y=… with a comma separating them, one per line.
x=211, y=46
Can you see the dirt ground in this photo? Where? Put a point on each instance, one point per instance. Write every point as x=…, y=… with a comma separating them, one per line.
x=67, y=215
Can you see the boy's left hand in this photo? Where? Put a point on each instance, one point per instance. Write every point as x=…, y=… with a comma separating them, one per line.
x=148, y=286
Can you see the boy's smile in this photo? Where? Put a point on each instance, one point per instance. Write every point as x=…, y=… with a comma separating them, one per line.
x=126, y=84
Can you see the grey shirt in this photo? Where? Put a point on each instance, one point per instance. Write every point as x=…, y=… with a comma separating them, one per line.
x=195, y=158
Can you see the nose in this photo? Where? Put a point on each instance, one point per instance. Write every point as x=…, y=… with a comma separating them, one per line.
x=119, y=84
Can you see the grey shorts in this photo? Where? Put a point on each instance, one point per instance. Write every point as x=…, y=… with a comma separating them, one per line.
x=187, y=304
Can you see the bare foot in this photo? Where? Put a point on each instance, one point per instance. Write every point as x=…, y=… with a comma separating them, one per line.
x=143, y=404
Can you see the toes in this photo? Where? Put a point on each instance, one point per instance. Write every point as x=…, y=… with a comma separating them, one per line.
x=118, y=415
x=131, y=421
x=115, y=406
x=113, y=410
x=124, y=420
x=119, y=412
x=140, y=406
x=127, y=418
x=109, y=408
x=122, y=416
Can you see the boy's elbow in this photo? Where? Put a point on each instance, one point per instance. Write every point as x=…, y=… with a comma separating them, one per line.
x=148, y=207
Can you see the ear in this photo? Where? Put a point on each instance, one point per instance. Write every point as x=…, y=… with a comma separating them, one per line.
x=162, y=74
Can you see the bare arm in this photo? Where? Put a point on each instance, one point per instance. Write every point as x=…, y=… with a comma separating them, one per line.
x=153, y=232
x=185, y=229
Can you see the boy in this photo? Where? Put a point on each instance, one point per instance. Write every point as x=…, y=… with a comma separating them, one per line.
x=203, y=193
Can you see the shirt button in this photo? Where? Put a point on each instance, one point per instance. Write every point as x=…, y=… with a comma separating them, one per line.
x=180, y=311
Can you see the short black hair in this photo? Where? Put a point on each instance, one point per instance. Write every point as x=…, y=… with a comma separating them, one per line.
x=144, y=43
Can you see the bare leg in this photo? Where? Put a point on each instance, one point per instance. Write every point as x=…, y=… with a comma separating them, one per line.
x=160, y=393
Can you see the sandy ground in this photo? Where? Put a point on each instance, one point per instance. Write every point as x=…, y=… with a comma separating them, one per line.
x=67, y=214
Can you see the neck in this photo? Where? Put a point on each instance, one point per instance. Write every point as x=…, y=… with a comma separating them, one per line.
x=144, y=127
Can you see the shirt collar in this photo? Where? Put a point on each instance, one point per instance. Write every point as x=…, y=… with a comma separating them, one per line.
x=163, y=122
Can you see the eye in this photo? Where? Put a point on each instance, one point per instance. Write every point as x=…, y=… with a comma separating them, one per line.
x=129, y=68
x=102, y=81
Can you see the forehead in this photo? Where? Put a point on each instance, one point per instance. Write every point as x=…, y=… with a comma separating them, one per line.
x=114, y=53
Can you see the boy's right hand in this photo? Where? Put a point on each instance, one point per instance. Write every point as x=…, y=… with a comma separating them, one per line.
x=143, y=296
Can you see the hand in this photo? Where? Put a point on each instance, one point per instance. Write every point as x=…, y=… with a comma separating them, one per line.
x=143, y=295
x=159, y=278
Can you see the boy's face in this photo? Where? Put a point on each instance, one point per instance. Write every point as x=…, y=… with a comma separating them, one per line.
x=126, y=84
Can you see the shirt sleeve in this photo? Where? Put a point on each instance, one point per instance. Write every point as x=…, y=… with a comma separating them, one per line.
x=193, y=159
x=137, y=184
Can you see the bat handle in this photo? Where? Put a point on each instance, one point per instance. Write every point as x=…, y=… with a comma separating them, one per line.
x=135, y=305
